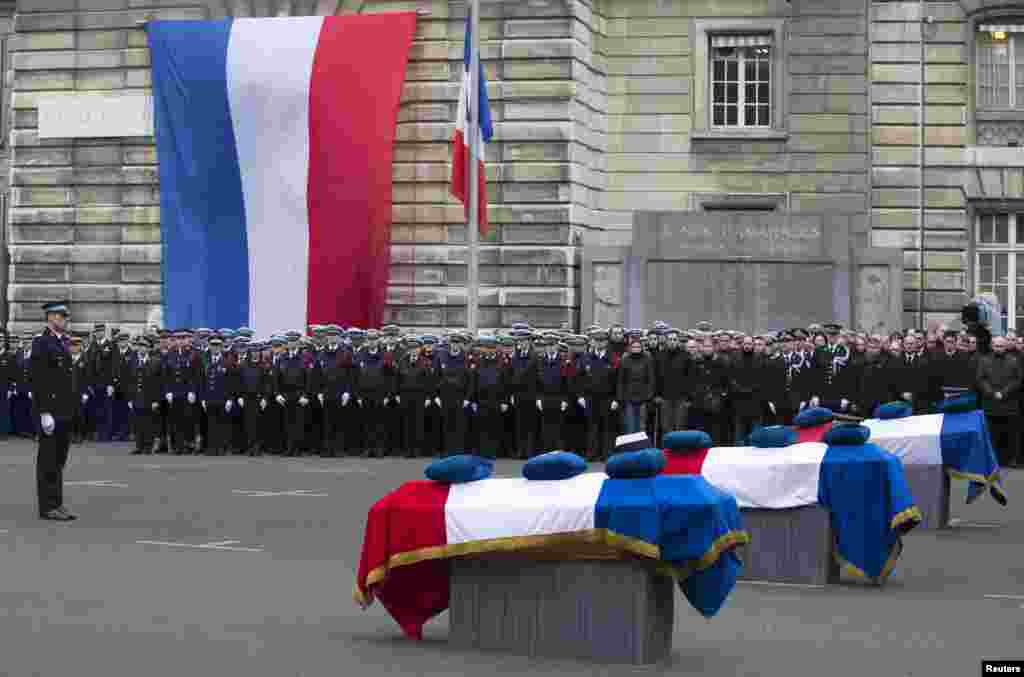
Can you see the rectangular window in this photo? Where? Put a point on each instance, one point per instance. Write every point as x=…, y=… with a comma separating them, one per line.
x=741, y=81
x=1000, y=66
x=999, y=263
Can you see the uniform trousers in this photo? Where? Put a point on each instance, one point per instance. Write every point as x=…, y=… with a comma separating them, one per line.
x=295, y=418
x=551, y=419
x=218, y=427
x=121, y=417
x=51, y=458
x=373, y=415
x=575, y=427
x=274, y=433
x=455, y=429
x=525, y=415
x=489, y=424
x=252, y=418
x=634, y=417
x=602, y=427
x=146, y=424
x=339, y=437
x=182, y=422
x=414, y=420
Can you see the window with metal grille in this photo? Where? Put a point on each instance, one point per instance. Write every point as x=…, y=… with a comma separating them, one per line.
x=999, y=263
x=741, y=73
x=1000, y=66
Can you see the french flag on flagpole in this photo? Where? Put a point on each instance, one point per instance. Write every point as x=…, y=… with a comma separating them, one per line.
x=460, y=140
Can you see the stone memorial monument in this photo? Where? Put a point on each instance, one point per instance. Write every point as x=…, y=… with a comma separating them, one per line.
x=751, y=271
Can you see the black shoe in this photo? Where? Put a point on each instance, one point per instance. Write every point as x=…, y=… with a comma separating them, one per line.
x=70, y=515
x=56, y=515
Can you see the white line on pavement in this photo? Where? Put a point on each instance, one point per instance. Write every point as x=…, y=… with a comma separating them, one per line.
x=293, y=492
x=97, y=483
x=956, y=522
x=782, y=585
x=1021, y=597
x=201, y=546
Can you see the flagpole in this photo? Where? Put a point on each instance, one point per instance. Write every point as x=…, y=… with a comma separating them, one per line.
x=473, y=135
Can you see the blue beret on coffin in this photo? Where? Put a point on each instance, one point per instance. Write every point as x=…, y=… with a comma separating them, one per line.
x=773, y=437
x=554, y=465
x=812, y=416
x=685, y=440
x=460, y=468
x=959, y=404
x=630, y=465
x=893, y=410
x=847, y=434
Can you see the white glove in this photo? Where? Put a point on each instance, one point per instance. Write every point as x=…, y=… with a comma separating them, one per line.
x=465, y=403
x=30, y=394
x=540, y=406
x=475, y=407
x=47, y=424
x=582, y=402
x=320, y=398
x=999, y=396
x=512, y=400
x=345, y=397
x=169, y=397
x=398, y=399
x=387, y=401
x=131, y=406
x=907, y=396
x=428, y=403
x=844, y=404
x=156, y=406
x=803, y=405
x=565, y=405
x=10, y=394
x=280, y=400
x=771, y=405
x=191, y=398
x=815, y=401
x=437, y=401
x=227, y=406
x=504, y=408
x=303, y=401
x=615, y=406
x=204, y=405
x=241, y=403
x=85, y=398
x=110, y=391
x=263, y=404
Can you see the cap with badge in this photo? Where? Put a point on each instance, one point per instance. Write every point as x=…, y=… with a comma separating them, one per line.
x=372, y=335
x=58, y=307
x=428, y=340
x=832, y=329
x=333, y=330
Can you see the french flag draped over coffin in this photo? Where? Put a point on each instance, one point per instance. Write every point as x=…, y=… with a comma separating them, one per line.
x=960, y=441
x=683, y=522
x=861, y=485
x=274, y=140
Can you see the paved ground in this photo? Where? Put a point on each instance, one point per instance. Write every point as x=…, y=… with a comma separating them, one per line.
x=272, y=594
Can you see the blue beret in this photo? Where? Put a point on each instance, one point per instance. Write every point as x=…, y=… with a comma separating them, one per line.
x=847, y=434
x=460, y=468
x=959, y=404
x=636, y=464
x=893, y=410
x=57, y=307
x=773, y=437
x=813, y=416
x=554, y=465
x=682, y=440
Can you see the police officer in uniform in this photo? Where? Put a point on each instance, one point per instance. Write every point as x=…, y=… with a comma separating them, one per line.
x=292, y=381
x=181, y=382
x=54, y=405
x=145, y=397
x=218, y=400
x=82, y=388
x=250, y=394
x=597, y=384
x=489, y=393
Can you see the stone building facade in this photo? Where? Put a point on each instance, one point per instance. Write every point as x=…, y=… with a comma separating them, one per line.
x=601, y=108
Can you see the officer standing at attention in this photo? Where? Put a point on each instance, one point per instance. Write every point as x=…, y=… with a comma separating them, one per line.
x=54, y=404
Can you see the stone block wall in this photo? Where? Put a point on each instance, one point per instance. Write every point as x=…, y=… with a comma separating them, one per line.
x=937, y=265
x=84, y=213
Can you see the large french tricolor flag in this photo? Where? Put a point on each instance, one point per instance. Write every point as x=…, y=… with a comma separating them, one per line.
x=460, y=139
x=274, y=140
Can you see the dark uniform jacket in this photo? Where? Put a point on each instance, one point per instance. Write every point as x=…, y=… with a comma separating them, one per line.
x=551, y=386
x=597, y=377
x=418, y=380
x=953, y=371
x=180, y=374
x=291, y=376
x=51, y=377
x=216, y=381
x=374, y=377
x=455, y=378
x=80, y=376
x=489, y=387
x=145, y=380
x=23, y=371
x=709, y=383
x=875, y=384
x=104, y=357
x=522, y=382
x=8, y=367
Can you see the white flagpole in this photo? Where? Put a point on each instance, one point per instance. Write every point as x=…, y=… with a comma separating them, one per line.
x=473, y=135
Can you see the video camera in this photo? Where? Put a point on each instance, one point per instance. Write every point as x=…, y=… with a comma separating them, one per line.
x=983, y=319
